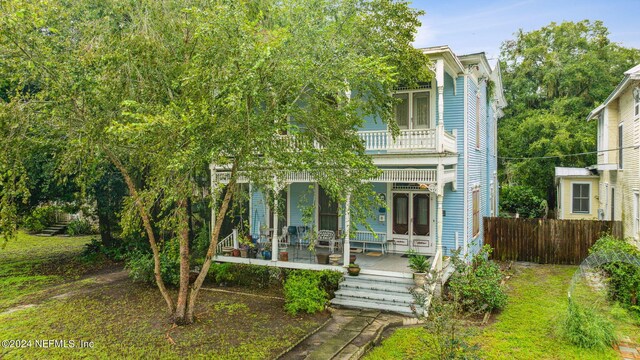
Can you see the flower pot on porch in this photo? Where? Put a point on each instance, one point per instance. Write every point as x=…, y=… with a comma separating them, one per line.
x=266, y=254
x=244, y=253
x=353, y=270
x=322, y=258
x=284, y=256
x=420, y=279
x=227, y=250
x=235, y=252
x=334, y=259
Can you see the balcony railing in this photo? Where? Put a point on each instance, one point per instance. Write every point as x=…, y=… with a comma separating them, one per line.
x=418, y=140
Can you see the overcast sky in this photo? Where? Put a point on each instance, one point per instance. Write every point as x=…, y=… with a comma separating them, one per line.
x=482, y=25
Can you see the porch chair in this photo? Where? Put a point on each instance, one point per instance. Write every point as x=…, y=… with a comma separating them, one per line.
x=283, y=240
x=327, y=239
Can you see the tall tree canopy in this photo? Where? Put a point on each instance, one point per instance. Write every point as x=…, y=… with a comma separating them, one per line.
x=160, y=89
x=553, y=77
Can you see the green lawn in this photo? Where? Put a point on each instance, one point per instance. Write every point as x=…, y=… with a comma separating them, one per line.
x=530, y=325
x=128, y=320
x=30, y=264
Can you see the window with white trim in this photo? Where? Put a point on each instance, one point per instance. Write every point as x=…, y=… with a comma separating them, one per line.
x=414, y=111
x=476, y=212
x=636, y=214
x=580, y=198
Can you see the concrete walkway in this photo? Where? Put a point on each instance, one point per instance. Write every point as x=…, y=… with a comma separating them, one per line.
x=347, y=335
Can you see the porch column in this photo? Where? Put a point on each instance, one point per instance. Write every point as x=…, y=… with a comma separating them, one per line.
x=439, y=221
x=439, y=216
x=347, y=229
x=274, y=240
x=440, y=86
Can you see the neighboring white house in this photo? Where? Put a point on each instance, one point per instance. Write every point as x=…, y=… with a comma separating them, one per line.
x=619, y=154
x=577, y=192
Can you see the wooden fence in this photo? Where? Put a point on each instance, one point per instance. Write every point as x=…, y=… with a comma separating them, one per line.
x=545, y=241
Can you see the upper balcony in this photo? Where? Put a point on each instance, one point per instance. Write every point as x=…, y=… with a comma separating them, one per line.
x=435, y=140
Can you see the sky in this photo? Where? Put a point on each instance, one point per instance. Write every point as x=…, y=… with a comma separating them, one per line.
x=482, y=25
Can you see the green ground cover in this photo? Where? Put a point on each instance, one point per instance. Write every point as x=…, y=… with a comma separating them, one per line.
x=530, y=327
x=31, y=263
x=123, y=319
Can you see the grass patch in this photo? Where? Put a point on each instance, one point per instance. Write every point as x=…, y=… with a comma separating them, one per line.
x=30, y=264
x=129, y=320
x=530, y=326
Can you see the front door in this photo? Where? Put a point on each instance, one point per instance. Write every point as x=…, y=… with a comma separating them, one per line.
x=412, y=222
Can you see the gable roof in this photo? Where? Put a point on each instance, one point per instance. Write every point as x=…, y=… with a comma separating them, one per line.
x=629, y=76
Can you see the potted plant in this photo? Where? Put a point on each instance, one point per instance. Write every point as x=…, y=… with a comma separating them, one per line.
x=245, y=245
x=420, y=266
x=353, y=269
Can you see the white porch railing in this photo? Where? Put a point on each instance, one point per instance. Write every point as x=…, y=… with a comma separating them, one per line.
x=409, y=140
x=422, y=176
x=228, y=241
x=449, y=142
x=449, y=176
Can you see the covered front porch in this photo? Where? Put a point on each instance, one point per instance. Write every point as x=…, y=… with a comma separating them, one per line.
x=411, y=220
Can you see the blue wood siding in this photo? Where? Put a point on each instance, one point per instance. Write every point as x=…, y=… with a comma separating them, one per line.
x=259, y=212
x=453, y=201
x=301, y=195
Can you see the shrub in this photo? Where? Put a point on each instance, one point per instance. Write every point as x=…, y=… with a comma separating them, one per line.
x=80, y=227
x=303, y=292
x=478, y=285
x=141, y=264
x=624, y=277
x=40, y=218
x=521, y=200
x=585, y=328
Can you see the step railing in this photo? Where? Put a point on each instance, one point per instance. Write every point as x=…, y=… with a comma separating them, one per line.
x=230, y=240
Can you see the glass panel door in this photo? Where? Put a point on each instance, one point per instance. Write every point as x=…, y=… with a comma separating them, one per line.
x=402, y=111
x=328, y=211
x=401, y=214
x=420, y=118
x=421, y=214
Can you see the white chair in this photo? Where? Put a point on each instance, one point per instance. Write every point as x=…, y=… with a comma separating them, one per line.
x=327, y=239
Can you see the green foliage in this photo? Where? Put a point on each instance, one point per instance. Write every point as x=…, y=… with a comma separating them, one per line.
x=522, y=200
x=478, y=285
x=303, y=293
x=585, y=328
x=80, y=227
x=140, y=265
x=40, y=218
x=244, y=275
x=417, y=262
x=553, y=77
x=623, y=276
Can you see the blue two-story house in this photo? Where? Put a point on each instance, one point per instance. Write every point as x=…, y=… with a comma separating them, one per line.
x=439, y=178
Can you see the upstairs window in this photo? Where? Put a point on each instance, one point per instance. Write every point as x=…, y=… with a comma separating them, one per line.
x=581, y=203
x=636, y=214
x=414, y=110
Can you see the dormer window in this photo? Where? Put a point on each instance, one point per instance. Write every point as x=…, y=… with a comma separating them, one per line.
x=414, y=111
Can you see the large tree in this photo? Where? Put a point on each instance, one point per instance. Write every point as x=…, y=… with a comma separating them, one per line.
x=553, y=77
x=160, y=89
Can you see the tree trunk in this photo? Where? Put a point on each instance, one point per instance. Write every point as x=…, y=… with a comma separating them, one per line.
x=183, y=293
x=146, y=220
x=213, y=244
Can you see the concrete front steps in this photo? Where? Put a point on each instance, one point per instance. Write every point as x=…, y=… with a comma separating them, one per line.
x=54, y=230
x=375, y=292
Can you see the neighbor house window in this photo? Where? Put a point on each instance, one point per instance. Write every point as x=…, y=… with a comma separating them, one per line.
x=476, y=212
x=636, y=102
x=620, y=144
x=580, y=198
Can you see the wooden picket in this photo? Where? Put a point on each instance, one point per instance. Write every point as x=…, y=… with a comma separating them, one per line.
x=545, y=241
